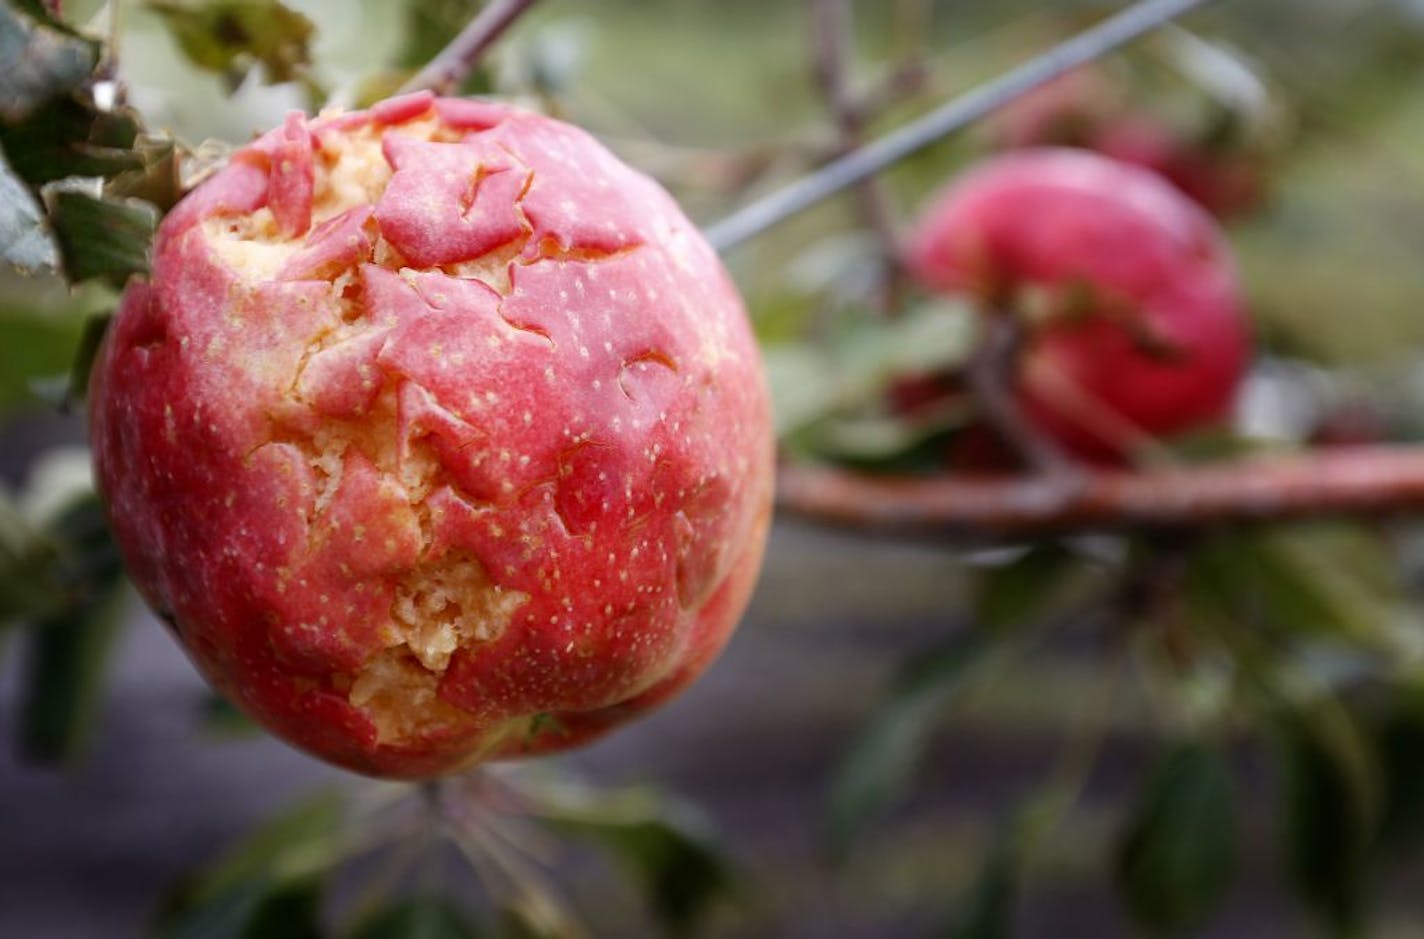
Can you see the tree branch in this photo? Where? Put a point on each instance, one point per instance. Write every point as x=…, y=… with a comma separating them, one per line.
x=1354, y=481
x=953, y=115
x=831, y=30
x=991, y=374
x=446, y=71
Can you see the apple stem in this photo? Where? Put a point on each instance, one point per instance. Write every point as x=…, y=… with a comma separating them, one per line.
x=444, y=73
x=992, y=373
x=832, y=26
x=1370, y=481
x=953, y=115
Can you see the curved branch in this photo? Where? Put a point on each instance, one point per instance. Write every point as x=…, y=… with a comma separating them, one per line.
x=444, y=73
x=1354, y=481
x=953, y=115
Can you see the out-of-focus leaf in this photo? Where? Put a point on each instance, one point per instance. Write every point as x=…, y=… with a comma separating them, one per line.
x=65, y=675
x=221, y=718
x=429, y=26
x=230, y=36
x=529, y=916
x=251, y=910
x=1328, y=580
x=99, y=237
x=809, y=383
x=41, y=62
x=83, y=364
x=295, y=846
x=1329, y=823
x=667, y=845
x=1400, y=738
x=426, y=918
x=1032, y=586
x=988, y=910
x=1179, y=853
x=877, y=769
x=28, y=560
x=25, y=240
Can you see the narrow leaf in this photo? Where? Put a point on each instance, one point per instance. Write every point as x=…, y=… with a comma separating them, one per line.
x=1179, y=853
x=1327, y=830
x=1029, y=588
x=294, y=846
x=876, y=772
x=65, y=677
x=988, y=910
x=431, y=918
x=98, y=237
x=251, y=910
x=666, y=845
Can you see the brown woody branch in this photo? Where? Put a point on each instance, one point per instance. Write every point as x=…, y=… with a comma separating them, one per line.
x=444, y=73
x=1353, y=481
x=831, y=31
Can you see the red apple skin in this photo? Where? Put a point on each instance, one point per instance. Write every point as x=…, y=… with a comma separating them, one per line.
x=1086, y=108
x=478, y=466
x=1156, y=340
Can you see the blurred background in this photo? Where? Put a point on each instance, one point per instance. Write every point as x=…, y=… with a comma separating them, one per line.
x=843, y=772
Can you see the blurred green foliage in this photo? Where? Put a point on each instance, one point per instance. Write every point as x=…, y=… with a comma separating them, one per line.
x=1307, y=635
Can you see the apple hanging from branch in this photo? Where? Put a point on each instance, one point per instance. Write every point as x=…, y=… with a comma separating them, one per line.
x=1124, y=288
x=437, y=434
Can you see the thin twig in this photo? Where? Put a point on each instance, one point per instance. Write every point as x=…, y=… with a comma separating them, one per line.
x=444, y=73
x=832, y=28
x=954, y=115
x=991, y=375
x=1356, y=481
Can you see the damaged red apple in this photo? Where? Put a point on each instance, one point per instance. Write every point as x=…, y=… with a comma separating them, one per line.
x=1126, y=288
x=437, y=435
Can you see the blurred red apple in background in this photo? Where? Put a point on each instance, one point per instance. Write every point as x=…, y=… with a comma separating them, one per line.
x=1134, y=324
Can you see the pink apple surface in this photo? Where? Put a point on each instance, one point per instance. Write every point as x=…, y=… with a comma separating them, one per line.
x=1136, y=327
x=437, y=434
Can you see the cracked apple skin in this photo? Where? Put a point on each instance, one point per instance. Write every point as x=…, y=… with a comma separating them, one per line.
x=436, y=435
x=1135, y=326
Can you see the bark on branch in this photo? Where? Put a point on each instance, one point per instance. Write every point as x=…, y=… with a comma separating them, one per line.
x=444, y=73
x=1354, y=481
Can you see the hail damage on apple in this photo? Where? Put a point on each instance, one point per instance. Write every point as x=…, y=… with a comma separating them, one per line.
x=1126, y=289
x=437, y=434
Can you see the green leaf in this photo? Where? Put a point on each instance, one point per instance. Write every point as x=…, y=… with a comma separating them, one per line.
x=430, y=918
x=25, y=240
x=88, y=349
x=230, y=36
x=877, y=770
x=1031, y=587
x=810, y=383
x=295, y=846
x=1328, y=825
x=71, y=137
x=1179, y=853
x=28, y=562
x=666, y=845
x=41, y=62
x=988, y=911
x=222, y=719
x=1400, y=739
x=101, y=238
x=1322, y=580
x=65, y=676
x=251, y=910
